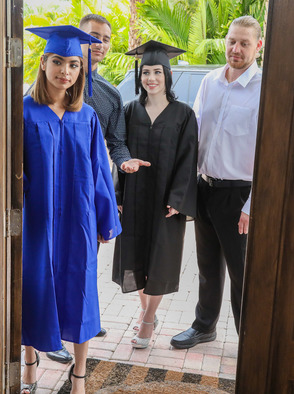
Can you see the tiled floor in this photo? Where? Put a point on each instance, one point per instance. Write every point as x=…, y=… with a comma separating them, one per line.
x=176, y=313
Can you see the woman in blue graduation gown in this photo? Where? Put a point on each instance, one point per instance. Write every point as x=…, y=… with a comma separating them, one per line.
x=69, y=203
x=155, y=200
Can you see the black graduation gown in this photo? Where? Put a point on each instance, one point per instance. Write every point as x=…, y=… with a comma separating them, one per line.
x=148, y=253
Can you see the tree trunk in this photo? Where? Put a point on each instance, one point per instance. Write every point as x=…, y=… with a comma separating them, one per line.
x=134, y=40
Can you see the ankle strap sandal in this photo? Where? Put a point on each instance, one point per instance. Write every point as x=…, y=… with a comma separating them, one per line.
x=37, y=361
x=70, y=374
x=30, y=387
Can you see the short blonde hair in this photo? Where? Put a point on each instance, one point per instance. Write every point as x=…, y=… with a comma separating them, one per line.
x=74, y=93
x=248, y=21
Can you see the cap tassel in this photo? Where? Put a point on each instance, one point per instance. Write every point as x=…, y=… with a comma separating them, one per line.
x=89, y=72
x=136, y=76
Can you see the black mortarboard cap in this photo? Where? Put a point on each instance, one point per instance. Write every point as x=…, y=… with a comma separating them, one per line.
x=66, y=41
x=153, y=53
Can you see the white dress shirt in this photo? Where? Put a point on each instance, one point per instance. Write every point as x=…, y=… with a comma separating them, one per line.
x=227, y=116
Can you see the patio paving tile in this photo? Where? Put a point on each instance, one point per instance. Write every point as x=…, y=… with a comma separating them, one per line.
x=119, y=313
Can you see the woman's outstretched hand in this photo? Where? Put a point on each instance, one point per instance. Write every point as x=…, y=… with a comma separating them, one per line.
x=102, y=240
x=133, y=165
x=171, y=211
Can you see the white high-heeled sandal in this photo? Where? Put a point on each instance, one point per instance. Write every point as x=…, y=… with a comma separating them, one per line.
x=136, y=328
x=141, y=343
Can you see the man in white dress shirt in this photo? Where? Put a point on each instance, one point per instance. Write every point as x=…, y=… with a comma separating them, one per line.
x=226, y=107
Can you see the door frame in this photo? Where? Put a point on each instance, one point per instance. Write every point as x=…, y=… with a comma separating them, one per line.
x=2, y=199
x=264, y=265
x=266, y=344
x=11, y=194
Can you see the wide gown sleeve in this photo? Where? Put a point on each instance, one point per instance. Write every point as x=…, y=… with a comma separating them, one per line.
x=183, y=191
x=108, y=224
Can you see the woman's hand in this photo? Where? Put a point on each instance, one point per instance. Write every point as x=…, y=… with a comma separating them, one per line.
x=171, y=211
x=102, y=240
x=120, y=208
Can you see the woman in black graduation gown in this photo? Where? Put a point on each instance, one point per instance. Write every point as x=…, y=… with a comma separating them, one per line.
x=155, y=200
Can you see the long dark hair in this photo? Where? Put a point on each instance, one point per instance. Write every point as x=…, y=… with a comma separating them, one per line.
x=168, y=84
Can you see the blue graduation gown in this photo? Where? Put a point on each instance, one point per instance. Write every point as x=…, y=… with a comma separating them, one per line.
x=68, y=200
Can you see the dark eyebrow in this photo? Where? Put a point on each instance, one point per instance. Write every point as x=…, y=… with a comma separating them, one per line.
x=62, y=59
x=148, y=69
x=98, y=34
x=58, y=57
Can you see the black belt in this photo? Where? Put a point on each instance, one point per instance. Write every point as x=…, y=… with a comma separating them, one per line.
x=215, y=182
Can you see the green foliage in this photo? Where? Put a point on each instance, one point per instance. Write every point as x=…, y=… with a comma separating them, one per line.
x=198, y=26
x=33, y=45
x=115, y=65
x=172, y=24
x=112, y=68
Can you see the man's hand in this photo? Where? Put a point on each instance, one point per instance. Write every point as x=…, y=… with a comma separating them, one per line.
x=243, y=223
x=171, y=211
x=133, y=165
x=102, y=240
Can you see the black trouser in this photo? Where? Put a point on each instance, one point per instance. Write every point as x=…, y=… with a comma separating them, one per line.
x=219, y=244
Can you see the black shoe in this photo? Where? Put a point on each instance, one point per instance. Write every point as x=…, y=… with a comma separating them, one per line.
x=191, y=337
x=61, y=356
x=101, y=333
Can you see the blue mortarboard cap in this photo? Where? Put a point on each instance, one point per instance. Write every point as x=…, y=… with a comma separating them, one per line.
x=66, y=41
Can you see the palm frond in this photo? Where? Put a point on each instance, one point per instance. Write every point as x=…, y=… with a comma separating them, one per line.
x=116, y=66
x=211, y=46
x=212, y=18
x=156, y=32
x=197, y=26
x=174, y=21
